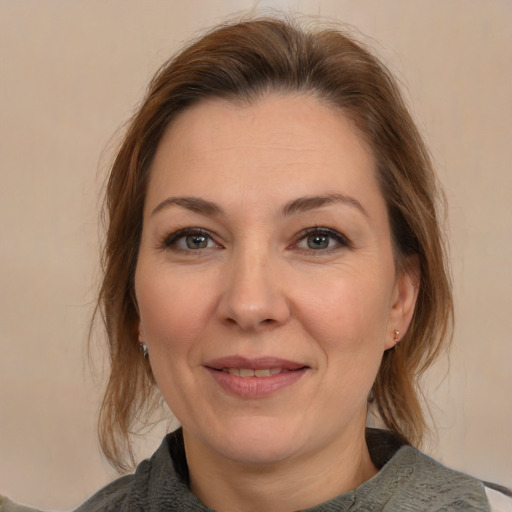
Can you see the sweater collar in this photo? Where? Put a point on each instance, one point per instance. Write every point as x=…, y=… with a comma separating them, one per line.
x=166, y=478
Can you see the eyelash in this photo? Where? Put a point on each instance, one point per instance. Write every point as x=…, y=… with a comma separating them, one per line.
x=341, y=240
x=171, y=240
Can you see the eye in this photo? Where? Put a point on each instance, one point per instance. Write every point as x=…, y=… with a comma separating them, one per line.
x=190, y=239
x=321, y=239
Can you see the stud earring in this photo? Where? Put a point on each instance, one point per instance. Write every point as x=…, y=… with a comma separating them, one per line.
x=142, y=345
x=396, y=339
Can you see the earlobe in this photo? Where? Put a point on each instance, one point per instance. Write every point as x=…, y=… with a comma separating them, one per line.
x=404, y=300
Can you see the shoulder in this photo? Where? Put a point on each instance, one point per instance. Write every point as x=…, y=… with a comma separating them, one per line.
x=159, y=483
x=446, y=489
x=500, y=498
x=6, y=505
x=111, y=497
x=421, y=483
x=126, y=493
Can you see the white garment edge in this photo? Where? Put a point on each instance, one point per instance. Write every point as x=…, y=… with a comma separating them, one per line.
x=498, y=502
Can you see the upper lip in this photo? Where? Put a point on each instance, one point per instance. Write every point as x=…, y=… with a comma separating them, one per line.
x=259, y=363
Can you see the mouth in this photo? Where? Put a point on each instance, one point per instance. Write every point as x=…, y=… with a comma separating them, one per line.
x=255, y=378
x=248, y=372
x=259, y=367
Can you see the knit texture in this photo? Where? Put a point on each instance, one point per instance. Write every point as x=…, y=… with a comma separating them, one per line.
x=408, y=481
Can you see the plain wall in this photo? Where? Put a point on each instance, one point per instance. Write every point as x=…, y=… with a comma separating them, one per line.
x=71, y=72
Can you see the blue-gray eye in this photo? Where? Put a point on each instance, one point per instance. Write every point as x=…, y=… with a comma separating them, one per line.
x=321, y=239
x=189, y=240
x=196, y=241
x=318, y=241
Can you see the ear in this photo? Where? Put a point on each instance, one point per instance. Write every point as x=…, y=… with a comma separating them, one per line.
x=403, y=302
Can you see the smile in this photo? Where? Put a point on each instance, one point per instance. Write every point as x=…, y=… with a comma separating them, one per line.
x=248, y=372
x=255, y=378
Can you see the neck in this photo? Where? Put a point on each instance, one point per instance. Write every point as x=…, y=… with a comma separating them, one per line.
x=296, y=483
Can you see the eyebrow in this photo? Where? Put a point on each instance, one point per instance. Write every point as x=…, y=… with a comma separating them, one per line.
x=195, y=204
x=307, y=203
x=299, y=205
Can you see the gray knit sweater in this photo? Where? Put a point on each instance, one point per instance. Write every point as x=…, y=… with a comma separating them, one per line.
x=407, y=481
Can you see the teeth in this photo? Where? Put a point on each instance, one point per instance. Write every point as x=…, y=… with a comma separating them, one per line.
x=262, y=373
x=247, y=372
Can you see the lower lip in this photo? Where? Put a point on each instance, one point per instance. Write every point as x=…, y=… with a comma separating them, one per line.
x=256, y=387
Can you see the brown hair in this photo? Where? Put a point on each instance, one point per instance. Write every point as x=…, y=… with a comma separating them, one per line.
x=242, y=61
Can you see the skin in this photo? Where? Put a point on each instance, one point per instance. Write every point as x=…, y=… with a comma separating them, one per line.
x=262, y=286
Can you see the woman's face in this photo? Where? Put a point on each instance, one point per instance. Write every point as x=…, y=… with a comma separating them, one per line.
x=265, y=281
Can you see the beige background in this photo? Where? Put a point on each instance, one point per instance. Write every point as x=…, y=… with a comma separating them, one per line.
x=72, y=71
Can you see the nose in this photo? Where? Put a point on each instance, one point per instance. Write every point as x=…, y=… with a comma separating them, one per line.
x=253, y=295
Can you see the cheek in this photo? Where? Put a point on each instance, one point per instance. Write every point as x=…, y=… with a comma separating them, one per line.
x=173, y=308
x=347, y=314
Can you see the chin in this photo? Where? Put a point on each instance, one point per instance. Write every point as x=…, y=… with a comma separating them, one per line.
x=261, y=451
x=261, y=442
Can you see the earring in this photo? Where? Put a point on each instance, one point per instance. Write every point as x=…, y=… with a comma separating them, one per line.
x=396, y=339
x=142, y=345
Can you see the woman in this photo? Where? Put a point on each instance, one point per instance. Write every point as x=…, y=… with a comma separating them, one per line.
x=274, y=267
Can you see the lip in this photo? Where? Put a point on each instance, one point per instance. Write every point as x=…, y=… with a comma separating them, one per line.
x=254, y=364
x=255, y=387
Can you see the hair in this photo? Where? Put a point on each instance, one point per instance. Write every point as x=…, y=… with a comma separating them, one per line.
x=240, y=62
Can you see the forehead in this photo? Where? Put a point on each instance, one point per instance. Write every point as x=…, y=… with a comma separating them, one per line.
x=275, y=145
